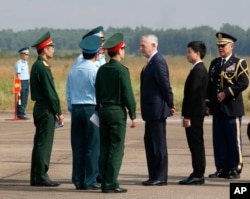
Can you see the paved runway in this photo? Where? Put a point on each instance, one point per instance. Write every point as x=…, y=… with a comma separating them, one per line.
x=16, y=139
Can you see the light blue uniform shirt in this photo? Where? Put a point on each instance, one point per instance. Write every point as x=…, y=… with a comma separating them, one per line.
x=80, y=86
x=100, y=61
x=22, y=68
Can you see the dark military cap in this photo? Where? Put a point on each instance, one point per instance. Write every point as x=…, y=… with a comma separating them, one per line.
x=90, y=44
x=44, y=41
x=24, y=50
x=98, y=31
x=224, y=38
x=115, y=42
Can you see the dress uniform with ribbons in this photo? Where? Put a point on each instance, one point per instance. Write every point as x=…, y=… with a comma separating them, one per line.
x=232, y=79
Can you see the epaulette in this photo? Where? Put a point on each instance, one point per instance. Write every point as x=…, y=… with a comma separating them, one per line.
x=46, y=64
x=125, y=67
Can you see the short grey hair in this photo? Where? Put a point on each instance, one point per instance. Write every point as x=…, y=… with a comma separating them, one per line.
x=151, y=38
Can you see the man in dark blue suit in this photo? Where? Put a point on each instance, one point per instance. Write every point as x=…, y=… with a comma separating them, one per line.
x=156, y=105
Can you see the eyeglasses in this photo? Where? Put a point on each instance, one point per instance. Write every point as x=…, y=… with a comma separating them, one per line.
x=123, y=47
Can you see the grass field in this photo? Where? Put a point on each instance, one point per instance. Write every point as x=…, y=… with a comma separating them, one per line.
x=178, y=67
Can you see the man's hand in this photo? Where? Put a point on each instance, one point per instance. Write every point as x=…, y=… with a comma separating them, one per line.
x=221, y=96
x=134, y=123
x=186, y=122
x=60, y=118
x=173, y=110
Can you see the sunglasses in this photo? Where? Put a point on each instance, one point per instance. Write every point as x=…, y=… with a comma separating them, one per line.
x=221, y=45
x=123, y=47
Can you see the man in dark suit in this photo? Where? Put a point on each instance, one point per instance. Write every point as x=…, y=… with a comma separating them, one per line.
x=228, y=78
x=156, y=105
x=194, y=110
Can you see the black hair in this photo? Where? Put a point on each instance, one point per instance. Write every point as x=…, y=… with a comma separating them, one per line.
x=113, y=53
x=198, y=46
x=88, y=55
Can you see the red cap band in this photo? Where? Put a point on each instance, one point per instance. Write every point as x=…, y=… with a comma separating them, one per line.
x=116, y=48
x=44, y=44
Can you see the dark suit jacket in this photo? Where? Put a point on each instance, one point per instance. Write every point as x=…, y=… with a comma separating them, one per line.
x=195, y=90
x=156, y=92
x=232, y=78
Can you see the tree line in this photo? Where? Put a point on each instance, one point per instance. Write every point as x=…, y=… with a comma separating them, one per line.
x=171, y=41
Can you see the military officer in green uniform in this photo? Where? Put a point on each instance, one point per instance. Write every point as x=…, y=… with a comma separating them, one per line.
x=114, y=96
x=46, y=112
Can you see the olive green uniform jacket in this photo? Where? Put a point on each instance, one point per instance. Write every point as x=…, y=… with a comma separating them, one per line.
x=46, y=107
x=114, y=97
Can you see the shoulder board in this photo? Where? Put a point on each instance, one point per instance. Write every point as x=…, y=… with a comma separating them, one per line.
x=125, y=67
x=46, y=64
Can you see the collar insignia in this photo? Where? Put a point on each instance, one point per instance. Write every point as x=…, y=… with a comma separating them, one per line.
x=46, y=64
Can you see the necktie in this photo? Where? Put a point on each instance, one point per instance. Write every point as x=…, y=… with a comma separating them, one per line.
x=223, y=62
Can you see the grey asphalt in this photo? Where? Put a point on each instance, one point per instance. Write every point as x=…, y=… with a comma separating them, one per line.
x=16, y=141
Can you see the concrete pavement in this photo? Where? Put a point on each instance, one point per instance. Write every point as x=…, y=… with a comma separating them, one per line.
x=16, y=141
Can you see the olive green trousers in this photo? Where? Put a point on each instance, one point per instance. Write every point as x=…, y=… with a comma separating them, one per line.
x=112, y=136
x=44, y=121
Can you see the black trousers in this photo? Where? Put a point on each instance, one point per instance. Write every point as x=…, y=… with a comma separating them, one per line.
x=156, y=149
x=196, y=145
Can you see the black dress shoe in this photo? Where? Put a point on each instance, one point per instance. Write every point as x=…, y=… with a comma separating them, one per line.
x=155, y=183
x=192, y=181
x=116, y=190
x=93, y=187
x=218, y=174
x=145, y=182
x=46, y=183
x=233, y=174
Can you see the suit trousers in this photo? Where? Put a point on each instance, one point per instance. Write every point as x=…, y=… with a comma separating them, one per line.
x=195, y=140
x=156, y=149
x=44, y=121
x=112, y=136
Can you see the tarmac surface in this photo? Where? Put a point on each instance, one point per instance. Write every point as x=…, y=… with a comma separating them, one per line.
x=16, y=142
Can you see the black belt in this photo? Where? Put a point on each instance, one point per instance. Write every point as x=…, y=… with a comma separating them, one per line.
x=108, y=104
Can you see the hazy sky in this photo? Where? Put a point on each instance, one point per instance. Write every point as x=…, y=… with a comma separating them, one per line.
x=156, y=14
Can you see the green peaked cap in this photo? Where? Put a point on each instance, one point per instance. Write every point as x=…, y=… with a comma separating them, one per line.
x=113, y=41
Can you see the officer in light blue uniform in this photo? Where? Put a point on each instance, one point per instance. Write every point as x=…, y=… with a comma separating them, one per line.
x=81, y=100
x=98, y=31
x=22, y=72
